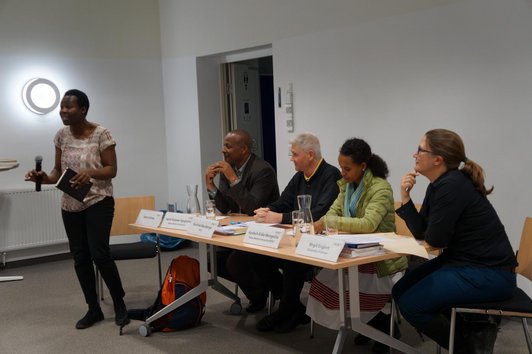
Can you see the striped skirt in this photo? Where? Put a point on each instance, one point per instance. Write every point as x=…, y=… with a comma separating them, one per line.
x=323, y=301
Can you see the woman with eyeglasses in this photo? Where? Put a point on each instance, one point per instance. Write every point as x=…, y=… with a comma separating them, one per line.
x=477, y=262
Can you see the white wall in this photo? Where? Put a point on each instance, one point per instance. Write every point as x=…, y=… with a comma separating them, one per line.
x=109, y=49
x=386, y=71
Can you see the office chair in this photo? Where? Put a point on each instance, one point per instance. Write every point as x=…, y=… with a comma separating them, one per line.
x=126, y=212
x=519, y=305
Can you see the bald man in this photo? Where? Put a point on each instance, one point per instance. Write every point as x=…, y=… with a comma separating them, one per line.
x=247, y=182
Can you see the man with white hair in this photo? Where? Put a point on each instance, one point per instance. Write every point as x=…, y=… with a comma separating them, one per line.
x=255, y=274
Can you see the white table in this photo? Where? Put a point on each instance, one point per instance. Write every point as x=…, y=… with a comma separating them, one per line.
x=350, y=319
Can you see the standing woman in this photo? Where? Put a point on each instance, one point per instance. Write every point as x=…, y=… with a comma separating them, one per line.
x=365, y=205
x=89, y=149
x=477, y=261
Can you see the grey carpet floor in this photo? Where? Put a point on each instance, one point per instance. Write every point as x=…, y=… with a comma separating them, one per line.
x=38, y=316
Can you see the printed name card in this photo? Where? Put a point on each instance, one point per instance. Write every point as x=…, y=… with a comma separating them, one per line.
x=262, y=235
x=178, y=221
x=320, y=247
x=151, y=218
x=202, y=227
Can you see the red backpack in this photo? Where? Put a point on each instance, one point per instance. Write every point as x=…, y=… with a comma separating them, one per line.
x=182, y=275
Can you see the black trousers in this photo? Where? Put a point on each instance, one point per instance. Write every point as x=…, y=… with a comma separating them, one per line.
x=88, y=238
x=257, y=274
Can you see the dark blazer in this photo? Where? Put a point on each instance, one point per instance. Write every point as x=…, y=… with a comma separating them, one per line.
x=257, y=188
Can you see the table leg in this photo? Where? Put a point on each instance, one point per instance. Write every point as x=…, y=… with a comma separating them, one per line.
x=344, y=318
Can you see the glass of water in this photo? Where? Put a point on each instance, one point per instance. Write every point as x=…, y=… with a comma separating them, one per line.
x=297, y=221
x=209, y=209
x=331, y=225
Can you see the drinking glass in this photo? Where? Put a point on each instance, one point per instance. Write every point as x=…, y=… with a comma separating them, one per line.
x=331, y=225
x=209, y=209
x=172, y=207
x=297, y=221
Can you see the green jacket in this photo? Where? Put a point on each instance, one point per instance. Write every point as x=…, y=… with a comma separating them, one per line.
x=374, y=213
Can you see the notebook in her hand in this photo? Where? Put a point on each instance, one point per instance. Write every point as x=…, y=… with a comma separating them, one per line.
x=64, y=184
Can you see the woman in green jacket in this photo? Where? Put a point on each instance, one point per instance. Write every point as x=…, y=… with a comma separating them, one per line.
x=365, y=205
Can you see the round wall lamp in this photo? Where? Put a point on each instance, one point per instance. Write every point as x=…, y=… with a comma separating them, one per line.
x=40, y=95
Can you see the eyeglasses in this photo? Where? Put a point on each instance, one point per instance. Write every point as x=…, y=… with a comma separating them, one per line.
x=420, y=150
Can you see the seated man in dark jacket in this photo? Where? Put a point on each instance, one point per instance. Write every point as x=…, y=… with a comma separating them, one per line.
x=255, y=274
x=247, y=182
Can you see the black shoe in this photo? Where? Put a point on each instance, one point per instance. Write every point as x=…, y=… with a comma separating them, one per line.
x=381, y=322
x=361, y=339
x=256, y=306
x=378, y=347
x=121, y=317
x=268, y=323
x=287, y=325
x=90, y=318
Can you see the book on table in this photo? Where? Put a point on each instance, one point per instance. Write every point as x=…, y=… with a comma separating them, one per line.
x=349, y=252
x=233, y=229
x=64, y=184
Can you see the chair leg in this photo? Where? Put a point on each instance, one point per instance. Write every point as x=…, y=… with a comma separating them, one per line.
x=97, y=282
x=394, y=312
x=451, y=331
x=270, y=302
x=158, y=246
x=99, y=285
x=311, y=328
x=395, y=306
x=527, y=335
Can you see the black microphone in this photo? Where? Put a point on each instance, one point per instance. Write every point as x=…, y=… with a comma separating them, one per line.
x=38, y=168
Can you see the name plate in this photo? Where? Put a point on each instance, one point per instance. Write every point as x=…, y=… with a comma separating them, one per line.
x=202, y=227
x=151, y=218
x=320, y=247
x=178, y=221
x=262, y=235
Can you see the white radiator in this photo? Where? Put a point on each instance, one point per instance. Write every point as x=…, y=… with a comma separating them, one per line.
x=30, y=219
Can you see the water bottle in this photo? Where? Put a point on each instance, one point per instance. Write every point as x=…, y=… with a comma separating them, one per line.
x=193, y=205
x=303, y=201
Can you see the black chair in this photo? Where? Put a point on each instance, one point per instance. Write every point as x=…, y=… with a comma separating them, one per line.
x=520, y=305
x=126, y=212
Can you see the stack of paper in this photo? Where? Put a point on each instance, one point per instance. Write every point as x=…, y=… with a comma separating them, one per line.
x=390, y=241
x=233, y=229
x=351, y=252
x=360, y=245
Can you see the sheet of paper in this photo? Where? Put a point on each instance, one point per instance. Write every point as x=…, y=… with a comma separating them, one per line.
x=321, y=247
x=178, y=221
x=404, y=245
x=151, y=218
x=390, y=241
x=261, y=235
x=203, y=227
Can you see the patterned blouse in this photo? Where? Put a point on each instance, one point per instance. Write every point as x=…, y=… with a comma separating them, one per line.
x=81, y=154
